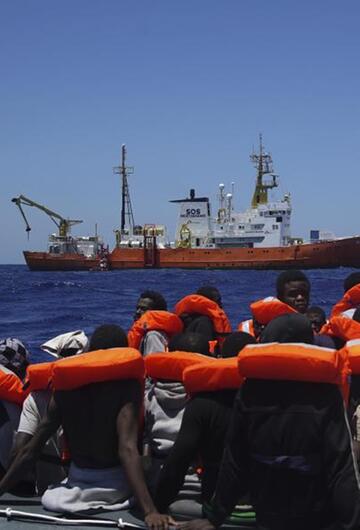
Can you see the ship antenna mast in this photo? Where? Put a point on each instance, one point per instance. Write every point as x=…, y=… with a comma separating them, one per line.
x=127, y=216
x=263, y=163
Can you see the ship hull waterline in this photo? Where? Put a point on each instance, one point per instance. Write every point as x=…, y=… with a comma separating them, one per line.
x=338, y=253
x=44, y=261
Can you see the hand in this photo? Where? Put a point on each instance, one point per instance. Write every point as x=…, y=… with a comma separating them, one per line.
x=196, y=524
x=158, y=521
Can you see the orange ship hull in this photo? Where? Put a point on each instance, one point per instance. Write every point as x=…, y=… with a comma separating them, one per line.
x=44, y=261
x=339, y=253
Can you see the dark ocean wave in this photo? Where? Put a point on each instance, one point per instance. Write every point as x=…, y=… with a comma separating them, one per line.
x=36, y=306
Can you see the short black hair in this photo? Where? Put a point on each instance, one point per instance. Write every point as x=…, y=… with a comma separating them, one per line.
x=316, y=310
x=351, y=280
x=235, y=342
x=292, y=327
x=209, y=291
x=108, y=336
x=159, y=301
x=285, y=277
x=356, y=315
x=189, y=341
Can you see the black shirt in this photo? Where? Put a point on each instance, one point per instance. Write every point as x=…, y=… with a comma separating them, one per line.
x=289, y=445
x=89, y=418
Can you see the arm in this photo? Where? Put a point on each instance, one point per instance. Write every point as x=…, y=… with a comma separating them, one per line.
x=186, y=446
x=29, y=421
x=127, y=426
x=28, y=454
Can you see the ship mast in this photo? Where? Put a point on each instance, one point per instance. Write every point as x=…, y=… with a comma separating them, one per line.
x=126, y=216
x=263, y=163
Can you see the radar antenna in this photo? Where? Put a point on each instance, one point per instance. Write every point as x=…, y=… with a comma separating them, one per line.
x=263, y=163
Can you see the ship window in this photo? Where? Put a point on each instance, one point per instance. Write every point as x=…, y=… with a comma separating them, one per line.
x=279, y=219
x=241, y=227
x=197, y=242
x=275, y=227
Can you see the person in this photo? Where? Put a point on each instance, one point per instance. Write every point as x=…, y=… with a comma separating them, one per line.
x=263, y=311
x=202, y=434
x=14, y=359
x=50, y=467
x=351, y=298
x=101, y=422
x=317, y=317
x=189, y=341
x=202, y=312
x=289, y=445
x=351, y=280
x=293, y=288
x=235, y=342
x=164, y=406
x=153, y=324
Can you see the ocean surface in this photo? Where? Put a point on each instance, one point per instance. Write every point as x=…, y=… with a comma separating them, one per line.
x=37, y=306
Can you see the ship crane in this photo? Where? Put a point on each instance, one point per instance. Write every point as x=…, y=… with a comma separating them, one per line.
x=64, y=225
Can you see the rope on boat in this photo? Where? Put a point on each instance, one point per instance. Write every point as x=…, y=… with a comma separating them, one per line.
x=9, y=513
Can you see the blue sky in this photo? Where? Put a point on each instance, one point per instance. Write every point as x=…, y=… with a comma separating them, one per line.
x=187, y=85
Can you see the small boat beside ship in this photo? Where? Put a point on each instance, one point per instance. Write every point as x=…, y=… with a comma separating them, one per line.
x=258, y=238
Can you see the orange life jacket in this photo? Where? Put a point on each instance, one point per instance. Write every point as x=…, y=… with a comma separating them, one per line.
x=196, y=303
x=247, y=326
x=164, y=321
x=209, y=377
x=342, y=326
x=267, y=309
x=97, y=366
x=352, y=349
x=39, y=376
x=350, y=300
x=295, y=362
x=171, y=365
x=11, y=387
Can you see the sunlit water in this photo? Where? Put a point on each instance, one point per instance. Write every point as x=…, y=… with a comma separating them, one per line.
x=36, y=306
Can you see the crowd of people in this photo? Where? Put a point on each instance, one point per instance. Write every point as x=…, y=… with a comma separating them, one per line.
x=177, y=412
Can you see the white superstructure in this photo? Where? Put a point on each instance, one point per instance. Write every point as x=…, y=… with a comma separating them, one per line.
x=264, y=224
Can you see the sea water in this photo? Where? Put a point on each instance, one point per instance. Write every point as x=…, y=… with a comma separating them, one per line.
x=37, y=306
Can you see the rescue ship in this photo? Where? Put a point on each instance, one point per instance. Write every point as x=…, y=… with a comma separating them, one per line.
x=258, y=238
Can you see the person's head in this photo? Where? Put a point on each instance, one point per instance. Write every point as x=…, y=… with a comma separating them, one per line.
x=317, y=317
x=149, y=300
x=14, y=356
x=189, y=341
x=235, y=342
x=351, y=280
x=108, y=336
x=356, y=315
x=293, y=288
x=210, y=292
x=291, y=327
